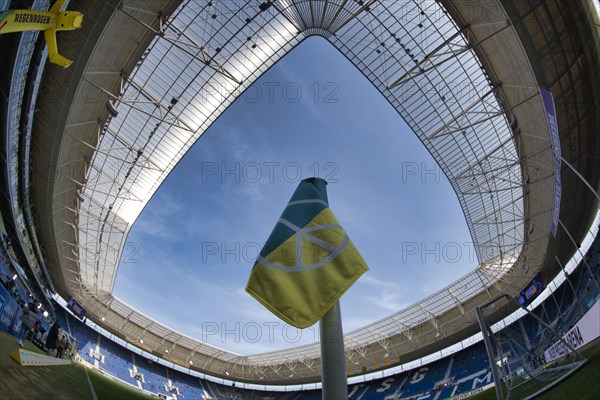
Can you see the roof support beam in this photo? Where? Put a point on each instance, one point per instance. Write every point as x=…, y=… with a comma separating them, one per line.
x=449, y=129
x=337, y=13
x=421, y=67
x=432, y=317
x=356, y=14
x=410, y=74
x=457, y=302
x=184, y=46
x=202, y=54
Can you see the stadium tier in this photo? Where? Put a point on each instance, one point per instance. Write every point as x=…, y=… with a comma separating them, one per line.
x=462, y=372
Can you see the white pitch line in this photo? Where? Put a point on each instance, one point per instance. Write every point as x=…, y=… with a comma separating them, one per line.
x=94, y=396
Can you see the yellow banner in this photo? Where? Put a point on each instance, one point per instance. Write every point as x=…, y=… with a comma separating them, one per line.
x=49, y=22
x=26, y=20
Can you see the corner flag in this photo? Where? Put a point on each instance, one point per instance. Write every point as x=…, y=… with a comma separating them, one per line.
x=308, y=262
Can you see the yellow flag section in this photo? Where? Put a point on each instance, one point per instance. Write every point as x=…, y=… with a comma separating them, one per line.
x=49, y=21
x=30, y=359
x=308, y=262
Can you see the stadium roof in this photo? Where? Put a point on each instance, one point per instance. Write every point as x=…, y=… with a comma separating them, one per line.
x=460, y=77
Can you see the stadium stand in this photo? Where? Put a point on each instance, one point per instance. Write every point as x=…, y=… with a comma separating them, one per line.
x=190, y=387
x=458, y=373
x=423, y=379
x=118, y=360
x=154, y=375
x=461, y=372
x=6, y=273
x=86, y=339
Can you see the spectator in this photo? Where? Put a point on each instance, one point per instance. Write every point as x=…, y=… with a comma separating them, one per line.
x=70, y=350
x=52, y=338
x=4, y=278
x=14, y=290
x=29, y=318
x=37, y=330
x=61, y=345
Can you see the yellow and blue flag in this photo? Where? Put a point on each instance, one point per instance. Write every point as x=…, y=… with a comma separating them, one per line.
x=308, y=262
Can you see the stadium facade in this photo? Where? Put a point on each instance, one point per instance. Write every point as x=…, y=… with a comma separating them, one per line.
x=87, y=147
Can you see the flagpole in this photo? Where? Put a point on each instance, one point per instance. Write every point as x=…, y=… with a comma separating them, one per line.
x=333, y=361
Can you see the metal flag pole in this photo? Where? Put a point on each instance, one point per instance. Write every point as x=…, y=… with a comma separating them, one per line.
x=487, y=334
x=333, y=361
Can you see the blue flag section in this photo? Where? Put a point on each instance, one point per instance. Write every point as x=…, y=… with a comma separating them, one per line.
x=308, y=262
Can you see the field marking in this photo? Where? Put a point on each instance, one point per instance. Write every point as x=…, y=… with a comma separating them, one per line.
x=94, y=396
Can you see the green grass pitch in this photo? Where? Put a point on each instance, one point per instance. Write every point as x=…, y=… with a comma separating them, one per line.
x=54, y=382
x=70, y=381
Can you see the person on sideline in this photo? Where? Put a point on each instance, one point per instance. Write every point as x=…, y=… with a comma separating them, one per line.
x=29, y=317
x=61, y=345
x=52, y=338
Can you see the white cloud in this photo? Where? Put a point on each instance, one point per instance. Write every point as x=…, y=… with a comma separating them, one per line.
x=368, y=279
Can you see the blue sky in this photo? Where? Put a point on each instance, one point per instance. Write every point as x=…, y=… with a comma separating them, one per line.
x=189, y=254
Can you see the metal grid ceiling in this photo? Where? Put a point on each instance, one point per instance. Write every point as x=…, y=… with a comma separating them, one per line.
x=207, y=54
